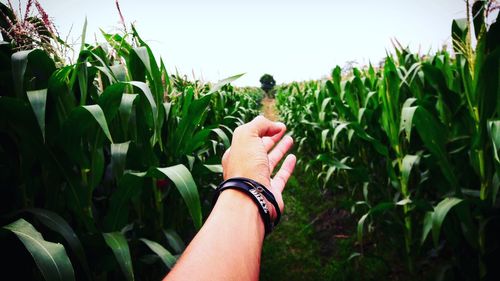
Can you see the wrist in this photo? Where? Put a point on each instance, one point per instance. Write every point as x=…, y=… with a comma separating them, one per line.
x=261, y=196
x=234, y=203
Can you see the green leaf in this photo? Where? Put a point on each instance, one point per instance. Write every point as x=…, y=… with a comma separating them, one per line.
x=174, y=240
x=147, y=58
x=96, y=112
x=494, y=131
x=495, y=185
x=353, y=256
x=214, y=168
x=42, y=67
x=459, y=31
x=58, y=224
x=360, y=227
x=408, y=162
x=407, y=117
x=184, y=182
x=168, y=107
x=129, y=186
x=440, y=212
x=154, y=109
x=434, y=136
x=142, y=54
x=125, y=110
x=222, y=136
x=198, y=140
x=84, y=33
x=118, y=244
x=427, y=226
x=379, y=147
x=338, y=129
x=38, y=100
x=223, y=82
x=191, y=160
x=488, y=89
x=83, y=80
x=50, y=258
x=324, y=134
x=403, y=202
x=191, y=119
x=379, y=208
x=110, y=100
x=120, y=72
x=119, y=157
x=167, y=258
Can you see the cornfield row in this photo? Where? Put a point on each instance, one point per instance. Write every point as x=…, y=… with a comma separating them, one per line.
x=106, y=163
x=413, y=148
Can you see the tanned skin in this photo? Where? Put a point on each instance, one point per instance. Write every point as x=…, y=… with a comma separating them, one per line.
x=229, y=245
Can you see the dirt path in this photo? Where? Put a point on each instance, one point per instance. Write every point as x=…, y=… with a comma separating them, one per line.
x=269, y=109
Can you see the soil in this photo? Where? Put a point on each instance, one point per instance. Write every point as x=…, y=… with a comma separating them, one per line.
x=269, y=109
x=330, y=226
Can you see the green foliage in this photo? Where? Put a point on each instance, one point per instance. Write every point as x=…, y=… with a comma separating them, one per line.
x=118, y=243
x=51, y=258
x=413, y=146
x=111, y=156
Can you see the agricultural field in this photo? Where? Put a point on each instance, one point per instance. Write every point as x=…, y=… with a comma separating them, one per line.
x=108, y=163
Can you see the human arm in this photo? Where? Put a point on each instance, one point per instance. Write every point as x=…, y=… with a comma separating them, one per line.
x=229, y=245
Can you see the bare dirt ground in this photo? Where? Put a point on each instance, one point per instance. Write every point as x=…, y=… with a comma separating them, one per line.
x=269, y=110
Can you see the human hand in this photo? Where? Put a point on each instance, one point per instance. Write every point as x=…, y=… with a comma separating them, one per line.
x=250, y=156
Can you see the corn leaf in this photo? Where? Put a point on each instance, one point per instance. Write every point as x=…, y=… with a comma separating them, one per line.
x=408, y=162
x=38, y=100
x=379, y=208
x=214, y=168
x=129, y=186
x=439, y=214
x=166, y=257
x=118, y=244
x=50, y=258
x=407, y=113
x=174, y=240
x=55, y=222
x=184, y=182
x=434, y=136
x=494, y=131
x=119, y=157
x=98, y=115
x=222, y=136
x=41, y=66
x=125, y=109
x=427, y=226
x=223, y=82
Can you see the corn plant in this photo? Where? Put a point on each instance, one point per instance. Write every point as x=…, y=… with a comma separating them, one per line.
x=107, y=163
x=414, y=146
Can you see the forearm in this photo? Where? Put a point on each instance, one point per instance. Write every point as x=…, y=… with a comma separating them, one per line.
x=229, y=245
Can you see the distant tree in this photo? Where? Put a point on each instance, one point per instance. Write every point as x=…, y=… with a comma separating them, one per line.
x=267, y=84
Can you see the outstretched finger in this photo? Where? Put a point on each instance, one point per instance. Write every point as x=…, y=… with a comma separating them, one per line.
x=279, y=151
x=268, y=143
x=282, y=176
x=264, y=127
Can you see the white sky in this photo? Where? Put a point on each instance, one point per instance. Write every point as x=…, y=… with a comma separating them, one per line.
x=292, y=40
